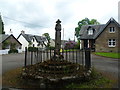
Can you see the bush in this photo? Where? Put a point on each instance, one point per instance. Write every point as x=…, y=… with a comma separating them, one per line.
x=51, y=47
x=32, y=49
x=70, y=45
x=13, y=51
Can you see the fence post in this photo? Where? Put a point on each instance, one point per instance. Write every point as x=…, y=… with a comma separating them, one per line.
x=31, y=57
x=87, y=58
x=25, y=64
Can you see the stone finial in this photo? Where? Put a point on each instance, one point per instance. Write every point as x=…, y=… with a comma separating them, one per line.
x=10, y=32
x=58, y=25
x=58, y=21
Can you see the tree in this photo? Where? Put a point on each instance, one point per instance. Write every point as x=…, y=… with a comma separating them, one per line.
x=85, y=21
x=1, y=26
x=48, y=38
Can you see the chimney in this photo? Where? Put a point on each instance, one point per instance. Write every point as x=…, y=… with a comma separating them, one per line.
x=22, y=32
x=119, y=12
x=10, y=32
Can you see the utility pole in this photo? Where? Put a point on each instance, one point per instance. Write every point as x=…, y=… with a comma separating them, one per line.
x=74, y=36
x=63, y=39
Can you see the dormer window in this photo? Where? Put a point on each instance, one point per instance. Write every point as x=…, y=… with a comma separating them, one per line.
x=111, y=30
x=90, y=32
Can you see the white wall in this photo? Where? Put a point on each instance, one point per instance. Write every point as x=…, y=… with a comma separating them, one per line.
x=4, y=51
x=80, y=44
x=34, y=42
x=52, y=43
x=24, y=42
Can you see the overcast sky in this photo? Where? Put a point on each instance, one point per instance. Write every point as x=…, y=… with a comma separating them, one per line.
x=39, y=16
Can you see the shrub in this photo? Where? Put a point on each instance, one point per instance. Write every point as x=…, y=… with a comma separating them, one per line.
x=70, y=45
x=51, y=47
x=32, y=49
x=13, y=51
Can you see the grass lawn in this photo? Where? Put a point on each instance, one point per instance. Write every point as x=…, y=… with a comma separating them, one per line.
x=107, y=54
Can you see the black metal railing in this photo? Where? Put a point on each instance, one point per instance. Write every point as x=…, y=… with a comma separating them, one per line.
x=77, y=56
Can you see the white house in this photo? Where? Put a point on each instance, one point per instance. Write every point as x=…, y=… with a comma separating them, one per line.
x=52, y=43
x=28, y=40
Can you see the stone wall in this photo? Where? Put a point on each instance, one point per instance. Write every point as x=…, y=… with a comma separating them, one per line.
x=102, y=40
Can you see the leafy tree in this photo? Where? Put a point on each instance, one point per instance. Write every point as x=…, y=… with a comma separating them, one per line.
x=2, y=28
x=48, y=38
x=85, y=21
x=5, y=44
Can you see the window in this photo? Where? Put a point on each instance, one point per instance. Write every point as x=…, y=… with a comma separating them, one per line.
x=112, y=30
x=90, y=32
x=111, y=42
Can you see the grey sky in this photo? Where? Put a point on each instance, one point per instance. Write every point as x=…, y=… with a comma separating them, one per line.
x=39, y=16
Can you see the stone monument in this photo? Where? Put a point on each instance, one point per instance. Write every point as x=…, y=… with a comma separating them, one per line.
x=57, y=37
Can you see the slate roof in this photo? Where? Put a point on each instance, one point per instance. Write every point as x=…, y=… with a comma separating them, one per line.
x=84, y=31
x=3, y=37
x=98, y=29
x=29, y=37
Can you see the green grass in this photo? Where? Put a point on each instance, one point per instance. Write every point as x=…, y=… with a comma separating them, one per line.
x=107, y=54
x=96, y=80
x=97, y=83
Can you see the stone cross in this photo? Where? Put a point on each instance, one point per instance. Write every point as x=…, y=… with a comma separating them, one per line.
x=57, y=37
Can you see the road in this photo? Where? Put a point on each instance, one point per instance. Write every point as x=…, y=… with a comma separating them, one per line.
x=12, y=61
x=107, y=65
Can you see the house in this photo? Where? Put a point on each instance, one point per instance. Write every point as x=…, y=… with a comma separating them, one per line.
x=101, y=38
x=7, y=42
x=29, y=40
x=52, y=42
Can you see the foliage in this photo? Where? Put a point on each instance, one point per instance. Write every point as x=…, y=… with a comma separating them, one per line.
x=30, y=43
x=5, y=44
x=2, y=30
x=77, y=46
x=13, y=51
x=108, y=54
x=48, y=38
x=71, y=45
x=51, y=47
x=85, y=21
x=12, y=46
x=32, y=49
